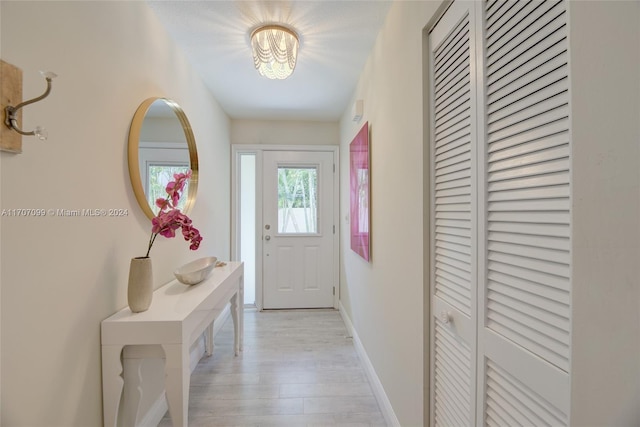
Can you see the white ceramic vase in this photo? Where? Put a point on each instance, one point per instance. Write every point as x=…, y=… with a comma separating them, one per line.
x=140, y=289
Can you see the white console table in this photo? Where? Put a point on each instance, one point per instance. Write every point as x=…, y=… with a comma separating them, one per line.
x=178, y=315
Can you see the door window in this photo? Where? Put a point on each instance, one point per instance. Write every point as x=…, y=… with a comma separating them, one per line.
x=297, y=200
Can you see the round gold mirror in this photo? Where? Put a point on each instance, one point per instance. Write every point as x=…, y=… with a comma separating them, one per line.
x=161, y=143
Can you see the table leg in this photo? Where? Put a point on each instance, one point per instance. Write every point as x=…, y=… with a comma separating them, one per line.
x=177, y=378
x=112, y=383
x=241, y=314
x=208, y=340
x=133, y=390
x=235, y=316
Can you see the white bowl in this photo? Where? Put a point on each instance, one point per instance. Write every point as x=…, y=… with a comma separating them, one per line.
x=195, y=271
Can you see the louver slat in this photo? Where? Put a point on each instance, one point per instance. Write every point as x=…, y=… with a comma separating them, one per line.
x=532, y=240
x=505, y=22
x=534, y=266
x=543, y=298
x=453, y=140
x=550, y=166
x=536, y=52
x=550, y=327
x=528, y=195
x=506, y=151
x=528, y=159
x=529, y=71
x=525, y=274
x=457, y=111
x=559, y=256
x=512, y=42
x=452, y=389
x=455, y=191
x=534, y=85
x=551, y=230
x=496, y=8
x=531, y=101
x=510, y=402
x=452, y=167
x=449, y=230
x=536, y=181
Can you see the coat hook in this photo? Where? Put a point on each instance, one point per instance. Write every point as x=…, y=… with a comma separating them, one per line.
x=11, y=119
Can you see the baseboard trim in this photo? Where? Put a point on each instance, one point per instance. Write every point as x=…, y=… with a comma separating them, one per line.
x=160, y=407
x=376, y=385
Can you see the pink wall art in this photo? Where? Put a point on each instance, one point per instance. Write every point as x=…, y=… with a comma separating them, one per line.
x=360, y=193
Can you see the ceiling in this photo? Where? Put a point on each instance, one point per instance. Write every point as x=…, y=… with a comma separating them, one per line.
x=336, y=38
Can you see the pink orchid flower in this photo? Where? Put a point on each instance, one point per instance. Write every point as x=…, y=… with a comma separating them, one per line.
x=162, y=203
x=169, y=217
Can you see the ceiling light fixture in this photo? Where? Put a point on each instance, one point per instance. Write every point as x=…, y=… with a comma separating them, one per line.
x=275, y=50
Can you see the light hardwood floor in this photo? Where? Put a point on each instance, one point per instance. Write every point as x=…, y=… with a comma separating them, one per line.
x=298, y=368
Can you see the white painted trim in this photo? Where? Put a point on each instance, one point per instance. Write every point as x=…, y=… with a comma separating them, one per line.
x=252, y=148
x=235, y=231
x=374, y=381
x=1, y=317
x=159, y=408
x=258, y=263
x=336, y=225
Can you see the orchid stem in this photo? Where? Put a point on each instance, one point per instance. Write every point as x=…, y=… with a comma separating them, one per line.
x=151, y=240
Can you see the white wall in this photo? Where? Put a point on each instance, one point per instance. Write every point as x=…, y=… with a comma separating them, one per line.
x=162, y=129
x=605, y=68
x=62, y=276
x=384, y=298
x=284, y=132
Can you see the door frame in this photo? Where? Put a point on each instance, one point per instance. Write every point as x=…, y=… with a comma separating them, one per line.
x=257, y=149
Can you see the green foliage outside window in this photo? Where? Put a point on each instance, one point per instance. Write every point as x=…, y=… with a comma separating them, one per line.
x=159, y=176
x=298, y=192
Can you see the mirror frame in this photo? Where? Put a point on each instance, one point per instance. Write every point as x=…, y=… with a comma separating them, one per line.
x=133, y=156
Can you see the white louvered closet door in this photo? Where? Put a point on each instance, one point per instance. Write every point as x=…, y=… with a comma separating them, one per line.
x=501, y=249
x=524, y=322
x=454, y=217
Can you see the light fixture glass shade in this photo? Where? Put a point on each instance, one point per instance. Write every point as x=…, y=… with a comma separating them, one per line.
x=275, y=50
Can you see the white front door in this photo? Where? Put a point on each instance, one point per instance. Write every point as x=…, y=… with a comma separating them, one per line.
x=298, y=229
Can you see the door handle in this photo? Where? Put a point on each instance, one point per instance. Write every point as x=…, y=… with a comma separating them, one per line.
x=267, y=237
x=446, y=317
